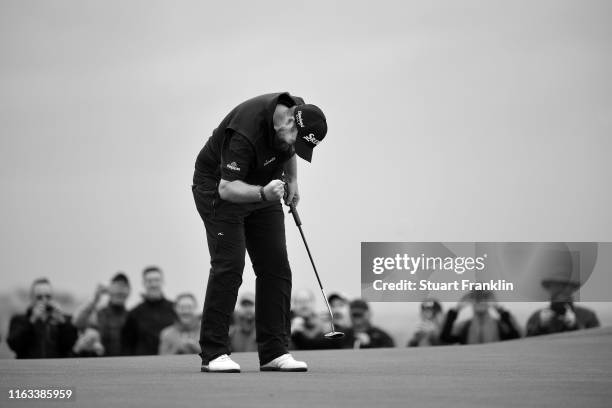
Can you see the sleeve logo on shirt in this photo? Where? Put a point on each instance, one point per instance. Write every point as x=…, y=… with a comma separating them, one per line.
x=233, y=166
x=311, y=138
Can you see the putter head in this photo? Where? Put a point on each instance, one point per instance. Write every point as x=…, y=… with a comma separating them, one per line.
x=334, y=335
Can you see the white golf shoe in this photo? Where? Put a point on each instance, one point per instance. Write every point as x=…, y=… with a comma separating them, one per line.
x=221, y=364
x=286, y=362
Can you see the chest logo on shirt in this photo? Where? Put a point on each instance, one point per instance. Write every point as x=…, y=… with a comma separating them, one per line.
x=233, y=166
x=270, y=160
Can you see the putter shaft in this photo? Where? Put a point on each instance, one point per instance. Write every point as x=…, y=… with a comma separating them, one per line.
x=298, y=223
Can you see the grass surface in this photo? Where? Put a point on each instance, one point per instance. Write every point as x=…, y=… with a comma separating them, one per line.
x=569, y=370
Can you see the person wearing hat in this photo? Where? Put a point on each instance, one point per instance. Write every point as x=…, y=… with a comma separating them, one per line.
x=363, y=334
x=562, y=314
x=240, y=176
x=338, y=302
x=242, y=331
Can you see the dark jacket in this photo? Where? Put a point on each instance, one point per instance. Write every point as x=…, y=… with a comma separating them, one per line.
x=143, y=325
x=378, y=338
x=110, y=322
x=52, y=338
x=585, y=319
x=506, y=327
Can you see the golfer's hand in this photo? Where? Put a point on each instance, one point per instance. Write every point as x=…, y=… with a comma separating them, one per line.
x=274, y=190
x=292, y=195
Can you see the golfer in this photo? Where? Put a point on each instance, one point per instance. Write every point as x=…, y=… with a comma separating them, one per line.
x=237, y=187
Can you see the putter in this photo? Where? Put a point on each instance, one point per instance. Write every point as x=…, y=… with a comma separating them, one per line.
x=333, y=334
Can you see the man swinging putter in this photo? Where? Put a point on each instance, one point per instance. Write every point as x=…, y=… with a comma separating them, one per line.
x=237, y=189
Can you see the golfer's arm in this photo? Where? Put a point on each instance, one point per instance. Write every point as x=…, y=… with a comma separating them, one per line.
x=290, y=169
x=238, y=191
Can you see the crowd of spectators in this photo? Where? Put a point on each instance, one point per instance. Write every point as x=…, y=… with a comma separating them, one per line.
x=158, y=325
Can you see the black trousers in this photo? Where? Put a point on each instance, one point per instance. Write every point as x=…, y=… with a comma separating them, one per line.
x=231, y=229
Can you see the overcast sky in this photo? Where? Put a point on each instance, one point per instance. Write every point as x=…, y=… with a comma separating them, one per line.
x=448, y=121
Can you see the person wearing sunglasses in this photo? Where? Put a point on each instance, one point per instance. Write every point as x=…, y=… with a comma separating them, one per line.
x=363, y=334
x=44, y=331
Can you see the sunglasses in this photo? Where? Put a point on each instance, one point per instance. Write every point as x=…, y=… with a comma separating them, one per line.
x=358, y=314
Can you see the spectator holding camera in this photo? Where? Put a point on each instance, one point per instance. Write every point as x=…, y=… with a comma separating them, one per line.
x=363, y=334
x=109, y=320
x=489, y=322
x=44, y=331
x=561, y=314
x=306, y=331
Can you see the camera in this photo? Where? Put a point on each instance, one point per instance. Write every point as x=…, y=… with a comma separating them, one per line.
x=559, y=308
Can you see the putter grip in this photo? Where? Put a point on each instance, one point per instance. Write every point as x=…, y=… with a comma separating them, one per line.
x=296, y=216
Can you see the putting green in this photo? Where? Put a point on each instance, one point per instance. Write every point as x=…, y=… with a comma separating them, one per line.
x=569, y=370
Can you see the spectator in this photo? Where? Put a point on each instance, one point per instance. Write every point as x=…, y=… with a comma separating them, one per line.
x=339, y=307
x=182, y=337
x=110, y=319
x=44, y=331
x=430, y=327
x=305, y=339
x=242, y=332
x=303, y=312
x=363, y=334
x=483, y=327
x=88, y=344
x=561, y=315
x=144, y=323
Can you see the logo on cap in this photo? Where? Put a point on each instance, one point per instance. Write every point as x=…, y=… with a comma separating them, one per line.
x=311, y=138
x=300, y=121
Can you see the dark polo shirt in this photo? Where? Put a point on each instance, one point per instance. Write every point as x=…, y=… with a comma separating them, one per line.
x=242, y=146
